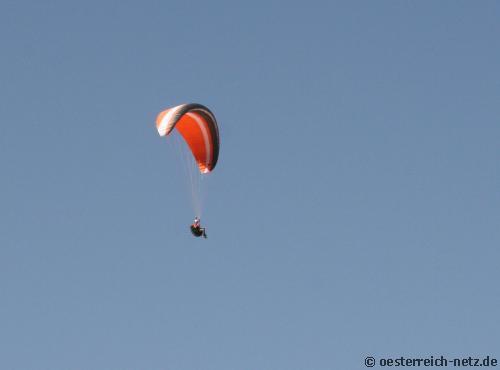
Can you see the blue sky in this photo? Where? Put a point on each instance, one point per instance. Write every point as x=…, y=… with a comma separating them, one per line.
x=355, y=209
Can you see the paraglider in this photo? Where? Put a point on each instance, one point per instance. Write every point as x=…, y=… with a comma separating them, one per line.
x=196, y=228
x=198, y=128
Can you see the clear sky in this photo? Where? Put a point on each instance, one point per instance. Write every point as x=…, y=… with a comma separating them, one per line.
x=355, y=209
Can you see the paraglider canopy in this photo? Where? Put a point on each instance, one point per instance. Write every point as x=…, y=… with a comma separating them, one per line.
x=197, y=125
